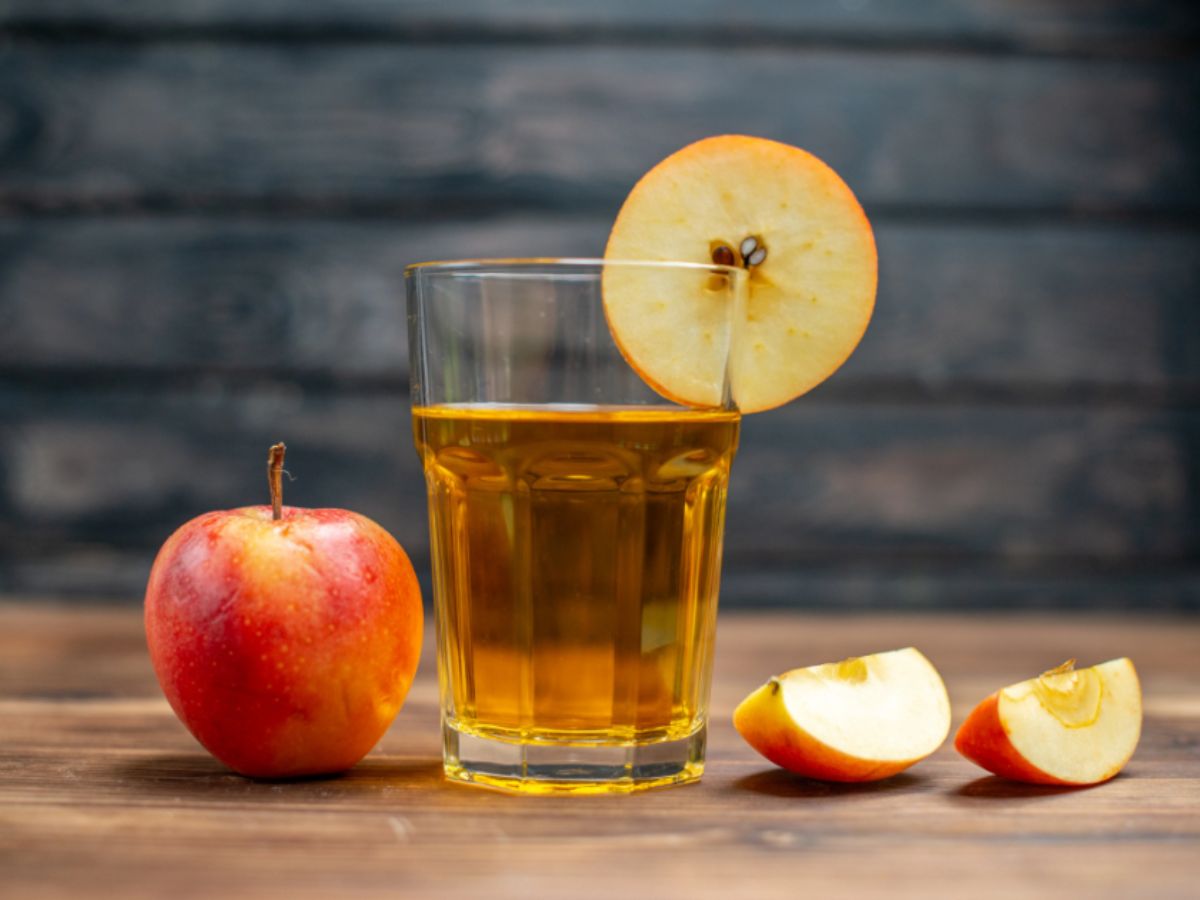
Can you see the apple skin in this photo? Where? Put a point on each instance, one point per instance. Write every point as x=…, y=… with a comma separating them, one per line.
x=762, y=719
x=983, y=740
x=286, y=647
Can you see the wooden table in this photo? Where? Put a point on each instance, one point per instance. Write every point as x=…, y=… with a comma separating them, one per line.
x=103, y=793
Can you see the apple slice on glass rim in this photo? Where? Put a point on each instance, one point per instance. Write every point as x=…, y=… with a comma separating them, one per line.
x=772, y=209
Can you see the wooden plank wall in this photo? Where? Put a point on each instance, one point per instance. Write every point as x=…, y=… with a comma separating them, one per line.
x=206, y=205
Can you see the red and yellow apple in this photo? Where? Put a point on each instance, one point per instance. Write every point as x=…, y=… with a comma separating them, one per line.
x=285, y=639
x=1068, y=727
x=861, y=719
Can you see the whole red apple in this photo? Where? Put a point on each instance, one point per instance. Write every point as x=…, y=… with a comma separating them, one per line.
x=285, y=639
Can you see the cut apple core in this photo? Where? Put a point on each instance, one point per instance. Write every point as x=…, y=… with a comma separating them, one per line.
x=1072, y=697
x=751, y=252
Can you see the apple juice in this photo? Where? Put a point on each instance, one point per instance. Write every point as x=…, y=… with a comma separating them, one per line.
x=576, y=558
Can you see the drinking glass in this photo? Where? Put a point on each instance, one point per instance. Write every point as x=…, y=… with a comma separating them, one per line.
x=576, y=521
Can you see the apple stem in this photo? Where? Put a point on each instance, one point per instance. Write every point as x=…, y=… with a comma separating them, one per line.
x=275, y=478
x=776, y=684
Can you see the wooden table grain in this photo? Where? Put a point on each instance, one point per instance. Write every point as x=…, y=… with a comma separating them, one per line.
x=103, y=793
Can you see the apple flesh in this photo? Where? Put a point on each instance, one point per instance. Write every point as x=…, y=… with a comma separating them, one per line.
x=861, y=719
x=1067, y=727
x=285, y=646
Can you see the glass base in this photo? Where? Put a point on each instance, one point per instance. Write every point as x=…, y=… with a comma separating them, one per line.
x=529, y=768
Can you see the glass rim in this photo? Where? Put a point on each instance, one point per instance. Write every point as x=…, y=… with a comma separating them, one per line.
x=468, y=265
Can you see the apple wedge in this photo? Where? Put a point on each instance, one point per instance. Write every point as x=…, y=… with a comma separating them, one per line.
x=1068, y=726
x=861, y=719
x=776, y=212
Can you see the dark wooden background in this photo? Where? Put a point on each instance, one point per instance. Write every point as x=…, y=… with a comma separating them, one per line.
x=205, y=207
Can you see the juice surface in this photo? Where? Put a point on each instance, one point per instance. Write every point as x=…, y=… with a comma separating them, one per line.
x=576, y=554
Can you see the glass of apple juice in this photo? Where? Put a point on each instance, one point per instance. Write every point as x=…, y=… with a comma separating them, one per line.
x=576, y=520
